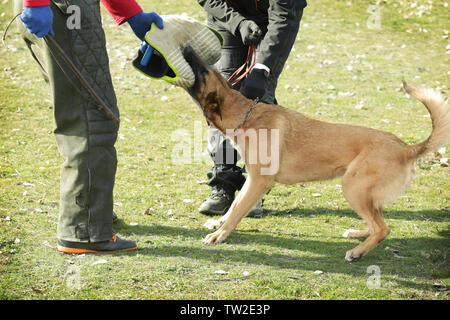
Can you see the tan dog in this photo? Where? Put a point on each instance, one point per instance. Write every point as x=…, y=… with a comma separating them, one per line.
x=376, y=166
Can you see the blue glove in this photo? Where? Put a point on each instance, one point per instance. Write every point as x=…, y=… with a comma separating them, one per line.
x=141, y=23
x=38, y=20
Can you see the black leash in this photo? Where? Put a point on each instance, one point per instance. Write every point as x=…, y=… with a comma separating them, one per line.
x=55, y=47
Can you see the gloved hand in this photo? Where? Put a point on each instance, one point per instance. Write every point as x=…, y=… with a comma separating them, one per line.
x=254, y=85
x=38, y=20
x=141, y=23
x=250, y=32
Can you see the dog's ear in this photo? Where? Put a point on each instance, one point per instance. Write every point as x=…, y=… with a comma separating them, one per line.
x=213, y=104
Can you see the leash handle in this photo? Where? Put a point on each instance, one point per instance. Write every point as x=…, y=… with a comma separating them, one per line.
x=235, y=78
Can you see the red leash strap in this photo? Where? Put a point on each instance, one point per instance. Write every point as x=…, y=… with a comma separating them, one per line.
x=235, y=77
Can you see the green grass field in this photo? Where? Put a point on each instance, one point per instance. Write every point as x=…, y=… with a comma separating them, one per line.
x=341, y=69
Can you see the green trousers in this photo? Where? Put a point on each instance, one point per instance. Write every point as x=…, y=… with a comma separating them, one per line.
x=84, y=135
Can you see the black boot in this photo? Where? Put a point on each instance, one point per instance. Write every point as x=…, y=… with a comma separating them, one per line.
x=224, y=180
x=218, y=202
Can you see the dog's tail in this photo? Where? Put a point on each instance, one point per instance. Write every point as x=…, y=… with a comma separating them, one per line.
x=440, y=119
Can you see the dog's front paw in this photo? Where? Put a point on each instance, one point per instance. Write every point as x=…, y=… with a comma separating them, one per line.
x=215, y=237
x=351, y=255
x=212, y=224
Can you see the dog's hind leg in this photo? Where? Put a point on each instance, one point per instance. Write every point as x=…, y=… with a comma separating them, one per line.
x=253, y=190
x=357, y=188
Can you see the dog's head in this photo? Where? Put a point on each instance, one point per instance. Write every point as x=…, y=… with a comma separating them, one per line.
x=209, y=88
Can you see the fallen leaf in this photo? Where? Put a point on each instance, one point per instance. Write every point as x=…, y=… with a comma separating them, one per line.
x=101, y=261
x=220, y=272
x=318, y=272
x=45, y=243
x=149, y=212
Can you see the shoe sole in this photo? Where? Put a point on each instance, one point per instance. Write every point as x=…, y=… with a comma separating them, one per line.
x=81, y=251
x=213, y=213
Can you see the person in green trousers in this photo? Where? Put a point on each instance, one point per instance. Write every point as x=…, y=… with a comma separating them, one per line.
x=84, y=134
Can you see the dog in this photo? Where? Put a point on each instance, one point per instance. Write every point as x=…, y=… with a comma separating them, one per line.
x=376, y=167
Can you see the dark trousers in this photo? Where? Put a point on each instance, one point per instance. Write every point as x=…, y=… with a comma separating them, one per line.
x=84, y=135
x=222, y=152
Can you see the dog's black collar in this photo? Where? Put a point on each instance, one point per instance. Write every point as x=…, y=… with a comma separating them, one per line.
x=248, y=113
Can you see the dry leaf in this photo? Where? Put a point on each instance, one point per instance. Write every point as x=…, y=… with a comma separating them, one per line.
x=220, y=272
x=101, y=261
x=441, y=151
x=318, y=272
x=148, y=211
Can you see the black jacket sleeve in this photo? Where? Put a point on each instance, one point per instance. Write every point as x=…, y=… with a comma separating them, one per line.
x=284, y=21
x=222, y=12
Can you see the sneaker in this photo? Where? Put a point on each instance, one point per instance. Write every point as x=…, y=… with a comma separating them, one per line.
x=218, y=202
x=113, y=245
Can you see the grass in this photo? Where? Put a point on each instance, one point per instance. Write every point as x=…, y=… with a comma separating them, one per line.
x=275, y=257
